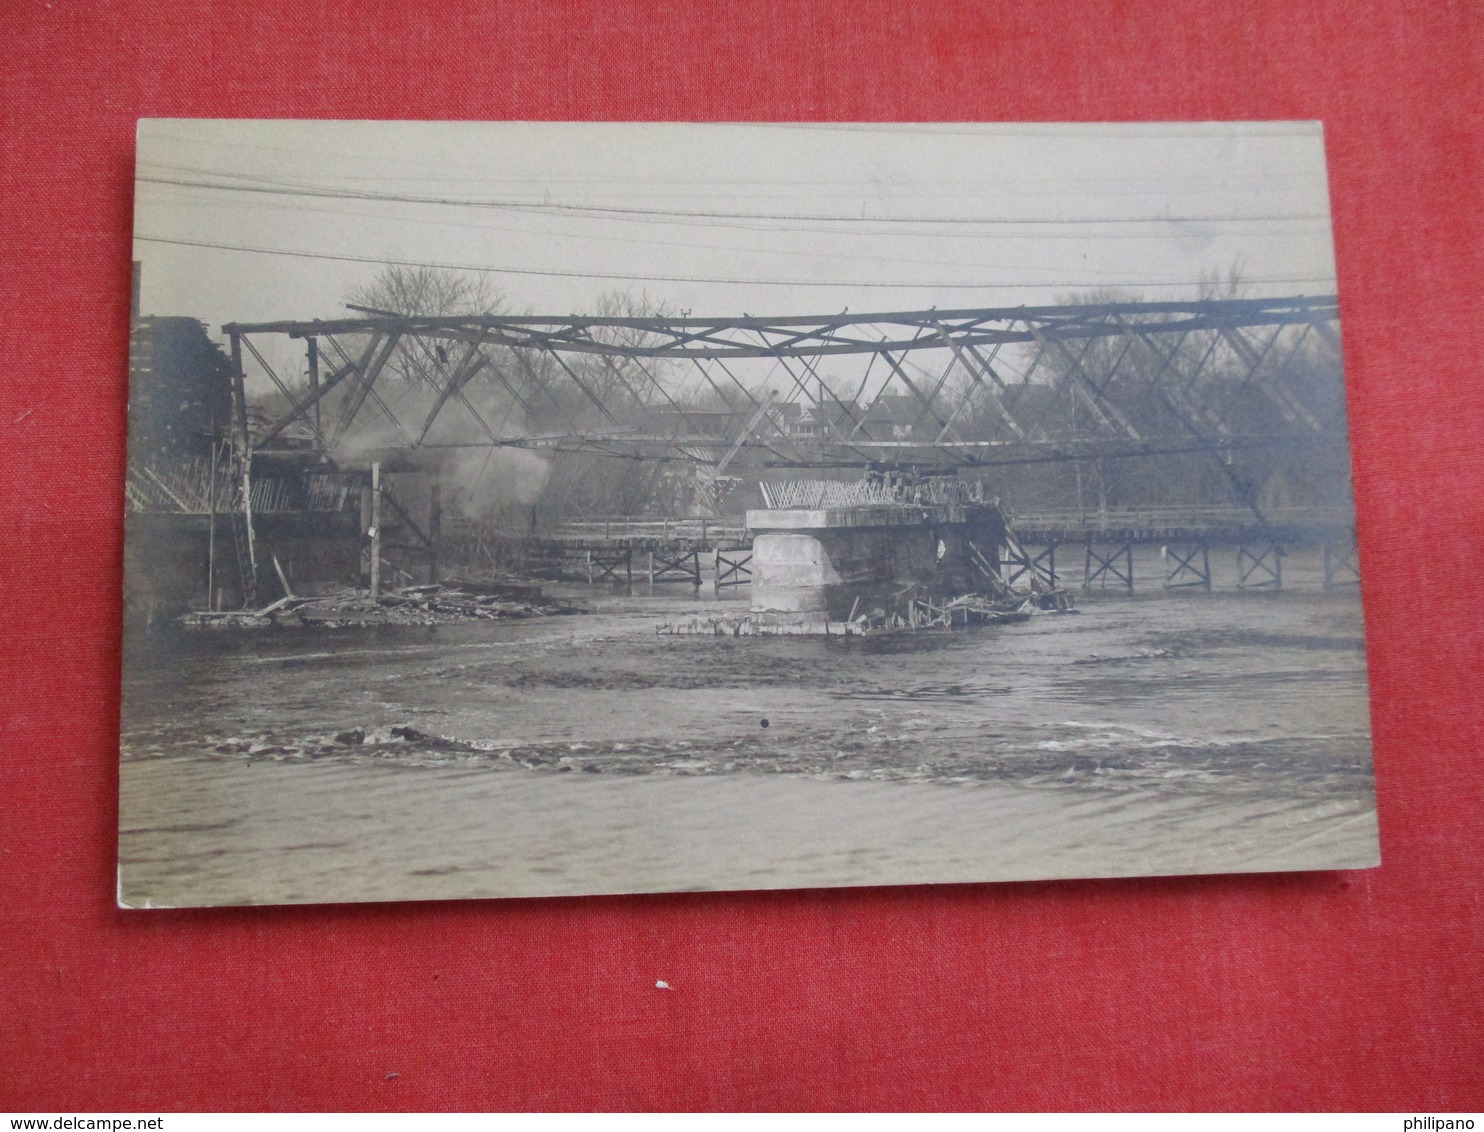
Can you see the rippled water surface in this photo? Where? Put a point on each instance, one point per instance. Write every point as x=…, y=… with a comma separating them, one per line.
x=1221, y=704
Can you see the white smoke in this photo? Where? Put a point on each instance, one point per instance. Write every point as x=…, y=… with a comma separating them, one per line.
x=479, y=478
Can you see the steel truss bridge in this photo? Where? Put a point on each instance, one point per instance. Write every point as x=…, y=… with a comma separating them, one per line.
x=937, y=391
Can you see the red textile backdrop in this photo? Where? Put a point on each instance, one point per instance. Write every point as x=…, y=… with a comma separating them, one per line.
x=1358, y=990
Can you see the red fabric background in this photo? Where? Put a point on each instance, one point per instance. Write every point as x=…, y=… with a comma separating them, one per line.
x=1361, y=990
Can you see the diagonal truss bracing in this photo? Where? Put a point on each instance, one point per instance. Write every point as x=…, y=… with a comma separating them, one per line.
x=939, y=388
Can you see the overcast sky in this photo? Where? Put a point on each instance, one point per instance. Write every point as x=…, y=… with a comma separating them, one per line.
x=280, y=220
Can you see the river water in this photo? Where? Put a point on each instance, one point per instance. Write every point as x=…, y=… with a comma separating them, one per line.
x=1159, y=733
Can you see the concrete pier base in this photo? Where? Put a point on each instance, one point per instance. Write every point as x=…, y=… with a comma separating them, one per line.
x=812, y=567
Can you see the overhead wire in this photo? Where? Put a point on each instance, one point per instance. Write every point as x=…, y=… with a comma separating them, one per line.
x=640, y=278
x=1163, y=181
x=291, y=189
x=863, y=229
x=1076, y=276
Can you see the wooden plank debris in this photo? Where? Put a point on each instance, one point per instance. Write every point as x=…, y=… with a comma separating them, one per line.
x=434, y=604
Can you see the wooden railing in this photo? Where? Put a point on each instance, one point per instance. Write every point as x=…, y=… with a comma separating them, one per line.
x=193, y=487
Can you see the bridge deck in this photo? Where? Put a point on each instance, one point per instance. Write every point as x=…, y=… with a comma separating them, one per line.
x=1139, y=525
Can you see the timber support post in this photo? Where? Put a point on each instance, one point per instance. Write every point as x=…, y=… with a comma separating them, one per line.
x=375, y=531
x=312, y=350
x=211, y=525
x=435, y=532
x=244, y=454
x=366, y=524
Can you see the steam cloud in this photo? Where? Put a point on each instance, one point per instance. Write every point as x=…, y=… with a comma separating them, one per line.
x=479, y=481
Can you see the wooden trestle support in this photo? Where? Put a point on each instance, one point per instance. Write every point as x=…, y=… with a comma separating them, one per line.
x=732, y=568
x=603, y=566
x=1103, y=568
x=1038, y=568
x=1341, y=564
x=675, y=565
x=1260, y=566
x=1186, y=568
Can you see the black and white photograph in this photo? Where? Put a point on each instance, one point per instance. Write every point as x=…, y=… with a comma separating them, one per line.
x=528, y=509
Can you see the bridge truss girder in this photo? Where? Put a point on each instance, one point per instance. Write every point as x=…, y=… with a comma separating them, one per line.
x=966, y=388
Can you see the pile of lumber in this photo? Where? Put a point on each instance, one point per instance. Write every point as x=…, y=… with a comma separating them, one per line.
x=458, y=599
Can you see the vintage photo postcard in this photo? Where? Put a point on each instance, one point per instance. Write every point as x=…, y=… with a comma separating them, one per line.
x=526, y=509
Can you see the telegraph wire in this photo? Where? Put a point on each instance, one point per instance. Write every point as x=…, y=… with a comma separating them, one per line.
x=714, y=225
x=1080, y=275
x=838, y=284
x=617, y=210
x=1035, y=185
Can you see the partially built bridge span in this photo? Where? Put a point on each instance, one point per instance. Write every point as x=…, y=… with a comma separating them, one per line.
x=938, y=389
x=1083, y=410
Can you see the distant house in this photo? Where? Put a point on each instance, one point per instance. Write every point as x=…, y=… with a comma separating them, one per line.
x=892, y=416
x=806, y=422
x=825, y=419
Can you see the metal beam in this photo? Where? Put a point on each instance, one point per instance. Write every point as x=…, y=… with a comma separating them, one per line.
x=378, y=349
x=1160, y=397
x=814, y=336
x=469, y=365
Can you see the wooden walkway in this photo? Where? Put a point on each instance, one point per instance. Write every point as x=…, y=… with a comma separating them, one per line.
x=1310, y=526
x=1105, y=541
x=625, y=550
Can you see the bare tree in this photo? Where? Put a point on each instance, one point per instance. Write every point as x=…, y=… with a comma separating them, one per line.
x=424, y=292
x=428, y=292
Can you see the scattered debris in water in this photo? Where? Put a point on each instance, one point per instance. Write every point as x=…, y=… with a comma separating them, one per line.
x=967, y=611
x=458, y=599
x=1142, y=654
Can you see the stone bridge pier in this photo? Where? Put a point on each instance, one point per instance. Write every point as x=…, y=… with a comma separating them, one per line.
x=814, y=566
